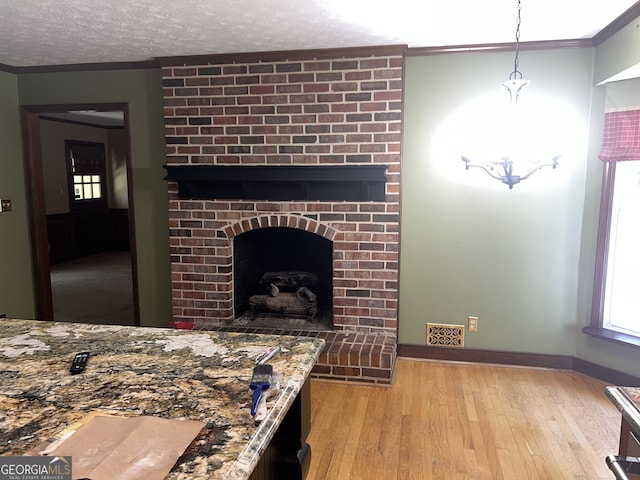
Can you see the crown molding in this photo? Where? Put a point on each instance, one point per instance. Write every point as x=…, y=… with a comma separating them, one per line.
x=607, y=32
x=618, y=24
x=83, y=67
x=281, y=55
x=501, y=47
x=7, y=68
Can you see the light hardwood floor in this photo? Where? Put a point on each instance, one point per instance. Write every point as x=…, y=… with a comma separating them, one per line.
x=463, y=421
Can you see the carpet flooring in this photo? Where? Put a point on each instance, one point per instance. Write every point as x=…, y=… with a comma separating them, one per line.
x=95, y=289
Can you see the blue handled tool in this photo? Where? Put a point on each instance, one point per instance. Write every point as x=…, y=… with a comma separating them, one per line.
x=260, y=381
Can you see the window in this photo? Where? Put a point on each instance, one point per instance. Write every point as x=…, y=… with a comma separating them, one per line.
x=86, y=164
x=621, y=300
x=87, y=187
x=616, y=302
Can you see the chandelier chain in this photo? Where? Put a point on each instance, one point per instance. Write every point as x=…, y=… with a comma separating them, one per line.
x=516, y=74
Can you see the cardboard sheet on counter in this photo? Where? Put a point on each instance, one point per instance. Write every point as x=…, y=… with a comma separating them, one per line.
x=135, y=448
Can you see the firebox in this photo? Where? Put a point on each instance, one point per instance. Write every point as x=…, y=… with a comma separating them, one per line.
x=282, y=274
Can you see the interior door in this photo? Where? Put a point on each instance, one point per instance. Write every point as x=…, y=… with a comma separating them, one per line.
x=87, y=173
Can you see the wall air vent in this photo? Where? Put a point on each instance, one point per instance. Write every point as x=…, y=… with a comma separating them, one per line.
x=444, y=335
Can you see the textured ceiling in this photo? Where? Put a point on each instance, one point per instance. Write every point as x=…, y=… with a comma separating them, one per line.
x=58, y=32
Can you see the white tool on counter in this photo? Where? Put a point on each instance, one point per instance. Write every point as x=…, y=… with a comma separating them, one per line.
x=268, y=355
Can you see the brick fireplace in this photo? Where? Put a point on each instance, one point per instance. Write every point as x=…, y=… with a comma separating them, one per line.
x=308, y=141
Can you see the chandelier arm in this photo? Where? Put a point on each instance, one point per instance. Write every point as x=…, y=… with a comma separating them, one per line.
x=468, y=165
x=553, y=164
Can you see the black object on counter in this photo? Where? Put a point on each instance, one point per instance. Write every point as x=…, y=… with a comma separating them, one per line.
x=79, y=362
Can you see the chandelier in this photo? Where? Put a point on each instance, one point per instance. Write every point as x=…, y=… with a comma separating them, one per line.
x=511, y=170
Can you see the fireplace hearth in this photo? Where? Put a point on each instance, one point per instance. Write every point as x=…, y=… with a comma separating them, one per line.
x=321, y=322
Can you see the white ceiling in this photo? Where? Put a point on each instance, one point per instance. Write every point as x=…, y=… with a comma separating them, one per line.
x=58, y=32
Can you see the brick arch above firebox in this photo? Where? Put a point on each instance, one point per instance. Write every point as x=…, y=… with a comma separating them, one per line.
x=285, y=220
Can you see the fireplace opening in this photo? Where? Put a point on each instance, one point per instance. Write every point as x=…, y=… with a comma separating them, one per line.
x=283, y=278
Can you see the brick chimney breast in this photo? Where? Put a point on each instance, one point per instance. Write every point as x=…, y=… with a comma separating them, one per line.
x=316, y=109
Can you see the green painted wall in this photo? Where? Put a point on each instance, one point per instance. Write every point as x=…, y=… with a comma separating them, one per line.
x=618, y=53
x=142, y=91
x=16, y=281
x=471, y=246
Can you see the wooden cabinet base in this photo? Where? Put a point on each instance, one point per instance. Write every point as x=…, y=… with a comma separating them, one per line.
x=288, y=455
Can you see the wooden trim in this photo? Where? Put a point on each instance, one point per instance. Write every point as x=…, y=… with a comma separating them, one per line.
x=133, y=247
x=82, y=124
x=558, y=362
x=86, y=67
x=618, y=24
x=562, y=362
x=500, y=47
x=608, y=375
x=273, y=56
x=117, y=211
x=37, y=215
x=602, y=244
x=8, y=68
x=42, y=110
x=613, y=336
x=361, y=183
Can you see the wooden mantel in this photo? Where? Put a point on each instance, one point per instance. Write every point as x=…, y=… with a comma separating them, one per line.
x=280, y=182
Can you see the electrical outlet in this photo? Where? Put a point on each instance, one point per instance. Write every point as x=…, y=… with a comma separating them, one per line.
x=5, y=205
x=472, y=324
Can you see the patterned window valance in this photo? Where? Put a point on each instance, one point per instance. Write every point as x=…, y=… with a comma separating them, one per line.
x=621, y=140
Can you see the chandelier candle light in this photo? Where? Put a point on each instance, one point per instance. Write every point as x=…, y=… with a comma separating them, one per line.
x=506, y=169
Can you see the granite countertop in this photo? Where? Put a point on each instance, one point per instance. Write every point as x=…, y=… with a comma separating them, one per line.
x=627, y=400
x=177, y=374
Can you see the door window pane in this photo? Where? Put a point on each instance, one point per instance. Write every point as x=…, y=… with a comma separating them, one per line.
x=87, y=166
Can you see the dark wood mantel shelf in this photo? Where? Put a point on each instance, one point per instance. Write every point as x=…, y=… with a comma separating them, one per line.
x=280, y=182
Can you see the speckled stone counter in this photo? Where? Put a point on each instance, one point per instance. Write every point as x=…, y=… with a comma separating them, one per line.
x=627, y=400
x=132, y=371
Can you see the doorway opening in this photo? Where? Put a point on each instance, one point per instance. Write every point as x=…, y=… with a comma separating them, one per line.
x=78, y=164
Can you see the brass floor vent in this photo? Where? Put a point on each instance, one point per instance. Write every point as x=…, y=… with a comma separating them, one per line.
x=444, y=335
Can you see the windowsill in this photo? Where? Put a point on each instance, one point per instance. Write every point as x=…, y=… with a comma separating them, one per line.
x=613, y=336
